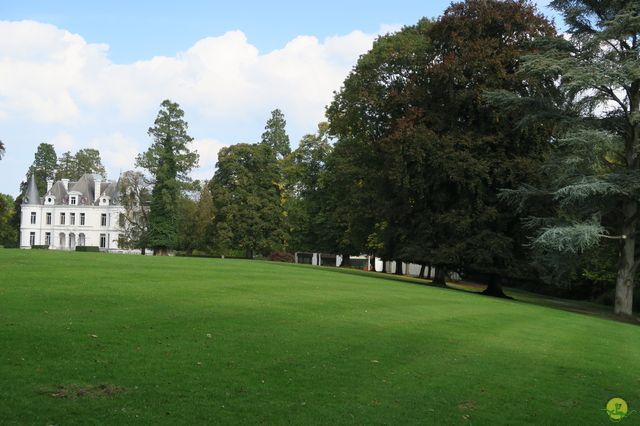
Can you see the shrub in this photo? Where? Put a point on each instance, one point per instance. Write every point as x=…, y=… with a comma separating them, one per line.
x=88, y=248
x=40, y=247
x=281, y=256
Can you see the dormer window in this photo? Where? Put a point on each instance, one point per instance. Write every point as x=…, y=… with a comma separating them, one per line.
x=73, y=200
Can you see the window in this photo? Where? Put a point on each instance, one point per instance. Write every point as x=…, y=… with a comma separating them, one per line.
x=62, y=219
x=103, y=219
x=73, y=201
x=32, y=238
x=72, y=218
x=47, y=238
x=81, y=218
x=33, y=218
x=121, y=220
x=103, y=240
x=48, y=218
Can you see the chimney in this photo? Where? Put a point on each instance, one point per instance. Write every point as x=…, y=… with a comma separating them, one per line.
x=65, y=183
x=49, y=184
x=96, y=191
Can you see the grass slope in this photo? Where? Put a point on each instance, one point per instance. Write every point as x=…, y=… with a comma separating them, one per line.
x=94, y=339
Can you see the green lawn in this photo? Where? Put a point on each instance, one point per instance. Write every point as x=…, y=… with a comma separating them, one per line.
x=91, y=338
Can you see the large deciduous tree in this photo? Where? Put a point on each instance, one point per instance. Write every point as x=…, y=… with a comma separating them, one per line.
x=84, y=161
x=305, y=170
x=43, y=167
x=168, y=160
x=248, y=200
x=135, y=197
x=8, y=232
x=420, y=140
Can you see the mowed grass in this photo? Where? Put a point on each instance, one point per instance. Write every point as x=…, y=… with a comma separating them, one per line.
x=113, y=339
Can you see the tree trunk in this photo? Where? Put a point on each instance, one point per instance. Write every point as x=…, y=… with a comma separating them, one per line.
x=398, y=267
x=494, y=287
x=248, y=253
x=384, y=266
x=439, y=277
x=372, y=264
x=429, y=271
x=346, y=261
x=626, y=262
x=160, y=251
x=422, y=267
x=143, y=251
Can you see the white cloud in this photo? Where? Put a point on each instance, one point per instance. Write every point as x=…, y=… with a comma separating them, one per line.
x=63, y=142
x=117, y=152
x=208, y=150
x=68, y=91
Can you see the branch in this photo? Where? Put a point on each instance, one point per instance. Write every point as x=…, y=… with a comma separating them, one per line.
x=613, y=237
x=608, y=91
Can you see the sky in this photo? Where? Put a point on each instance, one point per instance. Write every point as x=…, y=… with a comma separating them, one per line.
x=89, y=74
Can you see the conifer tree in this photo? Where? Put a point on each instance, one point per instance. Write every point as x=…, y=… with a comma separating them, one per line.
x=595, y=168
x=169, y=160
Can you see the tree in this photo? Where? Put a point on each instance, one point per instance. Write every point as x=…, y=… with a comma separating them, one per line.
x=43, y=167
x=203, y=220
x=304, y=169
x=8, y=233
x=593, y=172
x=135, y=197
x=275, y=135
x=169, y=160
x=66, y=167
x=436, y=154
x=2, y=149
x=248, y=200
x=86, y=160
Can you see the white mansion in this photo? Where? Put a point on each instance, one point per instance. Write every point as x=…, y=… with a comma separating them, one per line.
x=82, y=213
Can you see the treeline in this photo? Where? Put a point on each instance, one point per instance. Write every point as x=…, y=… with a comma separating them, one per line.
x=482, y=142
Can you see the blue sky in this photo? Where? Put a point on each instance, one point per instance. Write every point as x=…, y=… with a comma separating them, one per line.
x=84, y=74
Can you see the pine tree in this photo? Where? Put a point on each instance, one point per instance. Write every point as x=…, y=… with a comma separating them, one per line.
x=169, y=160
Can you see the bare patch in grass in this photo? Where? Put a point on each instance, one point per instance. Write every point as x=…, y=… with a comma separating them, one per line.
x=468, y=405
x=76, y=391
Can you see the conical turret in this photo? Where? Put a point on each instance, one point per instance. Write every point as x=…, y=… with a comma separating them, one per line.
x=32, y=196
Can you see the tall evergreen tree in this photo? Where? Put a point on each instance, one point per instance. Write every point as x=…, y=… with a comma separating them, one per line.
x=595, y=168
x=275, y=134
x=169, y=160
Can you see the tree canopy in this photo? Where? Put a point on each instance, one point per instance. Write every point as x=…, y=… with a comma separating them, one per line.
x=248, y=203
x=84, y=161
x=415, y=135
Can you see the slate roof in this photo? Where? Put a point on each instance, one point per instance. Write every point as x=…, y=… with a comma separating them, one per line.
x=86, y=187
x=32, y=196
